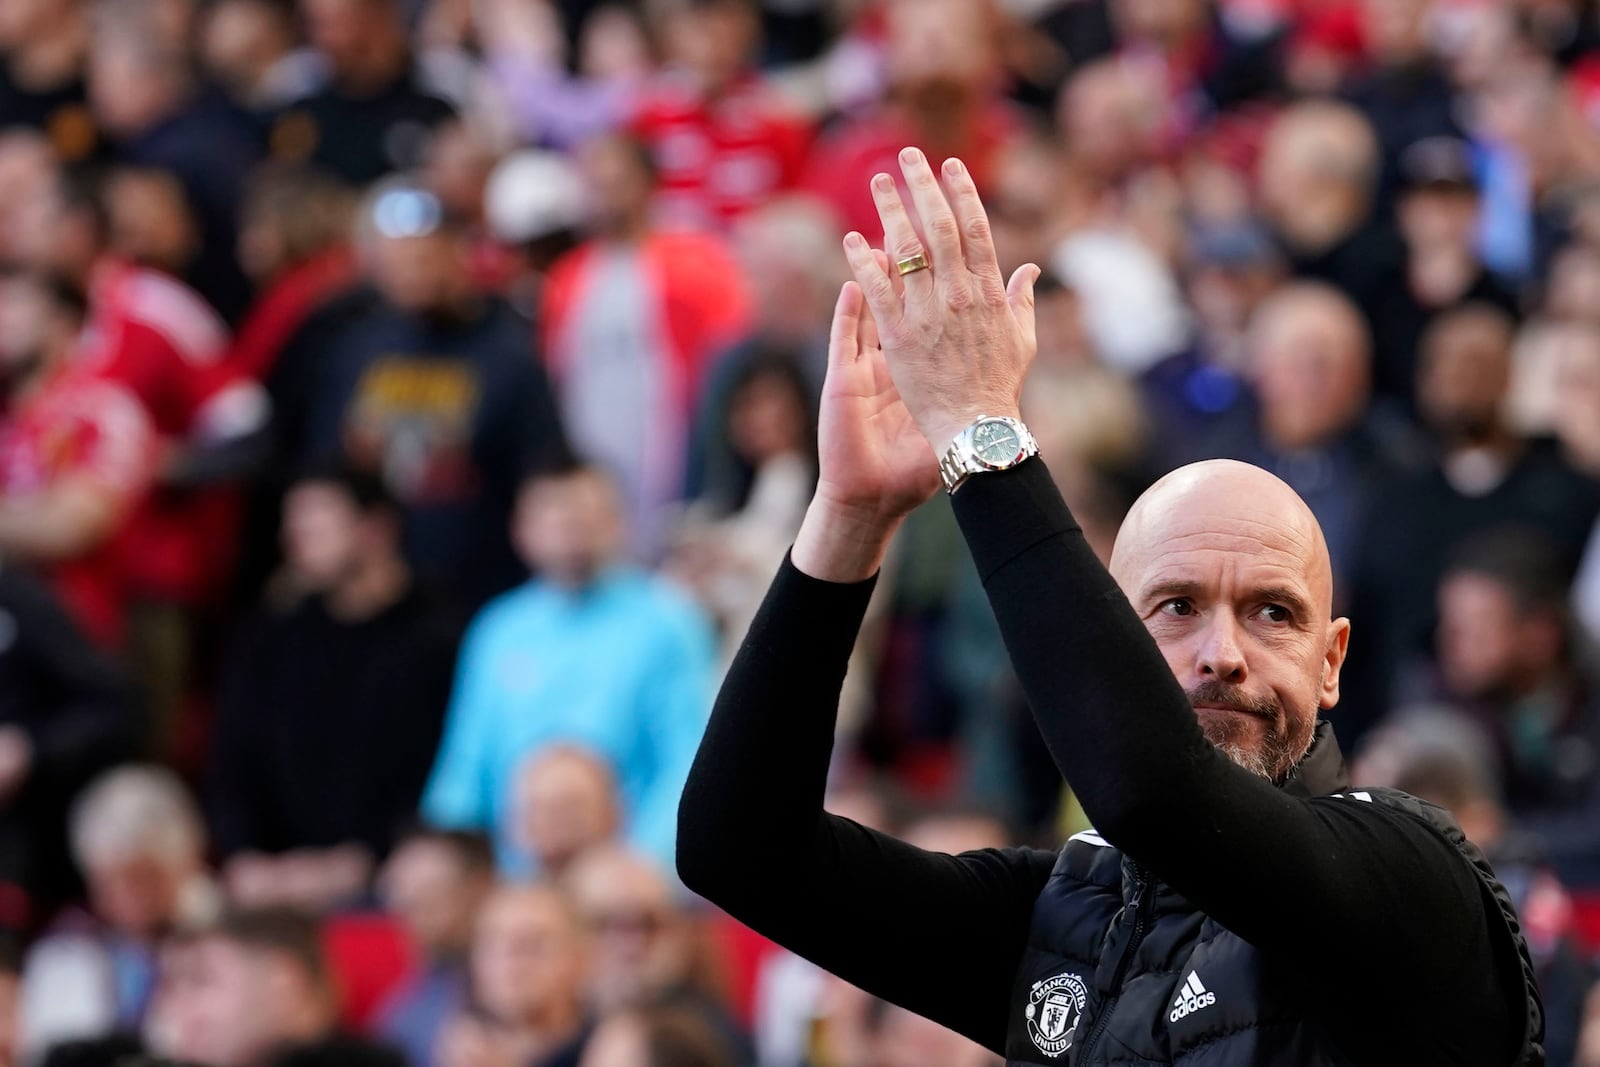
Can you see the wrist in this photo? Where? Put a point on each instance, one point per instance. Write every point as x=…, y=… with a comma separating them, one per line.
x=943, y=427
x=842, y=543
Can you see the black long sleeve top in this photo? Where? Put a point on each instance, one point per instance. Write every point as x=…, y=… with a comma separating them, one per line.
x=1362, y=889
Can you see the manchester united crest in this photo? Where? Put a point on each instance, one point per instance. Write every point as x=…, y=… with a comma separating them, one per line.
x=1055, y=1005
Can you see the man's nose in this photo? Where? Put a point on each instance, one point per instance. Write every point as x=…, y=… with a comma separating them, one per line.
x=1221, y=655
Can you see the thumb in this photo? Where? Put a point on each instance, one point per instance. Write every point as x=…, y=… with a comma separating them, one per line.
x=1019, y=296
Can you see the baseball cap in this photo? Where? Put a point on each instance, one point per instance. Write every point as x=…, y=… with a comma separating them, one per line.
x=1438, y=163
x=532, y=194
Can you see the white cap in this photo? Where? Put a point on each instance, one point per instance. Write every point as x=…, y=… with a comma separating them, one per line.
x=532, y=194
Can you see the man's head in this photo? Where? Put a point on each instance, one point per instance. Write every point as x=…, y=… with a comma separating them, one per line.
x=61, y=227
x=415, y=253
x=1229, y=571
x=1319, y=167
x=787, y=250
x=288, y=216
x=1503, y=624
x=1440, y=756
x=568, y=525
x=941, y=53
x=434, y=883
x=1464, y=372
x=363, y=41
x=566, y=803
x=1439, y=203
x=139, y=840
x=257, y=982
x=150, y=218
x=337, y=522
x=528, y=957
x=714, y=41
x=641, y=944
x=657, y=1037
x=137, y=78
x=1113, y=117
x=1309, y=361
x=1577, y=399
x=620, y=175
x=25, y=22
x=39, y=319
x=1395, y=30
x=241, y=41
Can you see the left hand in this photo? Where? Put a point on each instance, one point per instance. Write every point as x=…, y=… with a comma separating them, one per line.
x=960, y=339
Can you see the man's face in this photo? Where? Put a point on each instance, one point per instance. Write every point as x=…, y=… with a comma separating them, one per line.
x=564, y=804
x=1233, y=585
x=528, y=953
x=1463, y=380
x=321, y=534
x=135, y=893
x=1477, y=640
x=225, y=1005
x=1433, y=216
x=567, y=529
x=26, y=329
x=637, y=937
x=1310, y=374
x=435, y=898
x=417, y=275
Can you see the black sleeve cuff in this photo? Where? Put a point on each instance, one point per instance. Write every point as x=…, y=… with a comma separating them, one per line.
x=1003, y=514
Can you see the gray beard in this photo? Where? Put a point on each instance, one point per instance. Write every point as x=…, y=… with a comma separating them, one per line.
x=1273, y=761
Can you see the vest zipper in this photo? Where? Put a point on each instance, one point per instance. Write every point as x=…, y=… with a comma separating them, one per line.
x=1140, y=884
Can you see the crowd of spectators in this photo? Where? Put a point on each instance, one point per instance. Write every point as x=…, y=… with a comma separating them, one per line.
x=404, y=404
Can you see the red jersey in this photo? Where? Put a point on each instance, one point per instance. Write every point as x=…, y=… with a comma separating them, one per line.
x=719, y=158
x=78, y=426
x=157, y=337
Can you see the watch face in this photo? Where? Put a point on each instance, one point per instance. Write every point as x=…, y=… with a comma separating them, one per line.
x=996, y=443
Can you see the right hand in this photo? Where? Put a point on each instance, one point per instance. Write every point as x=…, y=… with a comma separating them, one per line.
x=876, y=466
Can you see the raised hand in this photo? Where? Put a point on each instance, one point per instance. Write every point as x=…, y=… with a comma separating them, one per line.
x=958, y=338
x=875, y=465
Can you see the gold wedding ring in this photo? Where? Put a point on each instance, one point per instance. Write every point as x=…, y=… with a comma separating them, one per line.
x=912, y=264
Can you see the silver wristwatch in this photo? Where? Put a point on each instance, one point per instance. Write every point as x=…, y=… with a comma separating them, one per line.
x=993, y=443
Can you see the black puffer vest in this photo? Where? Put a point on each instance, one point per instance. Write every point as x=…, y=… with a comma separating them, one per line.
x=1121, y=970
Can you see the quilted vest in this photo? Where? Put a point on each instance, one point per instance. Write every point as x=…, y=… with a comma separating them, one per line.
x=1122, y=970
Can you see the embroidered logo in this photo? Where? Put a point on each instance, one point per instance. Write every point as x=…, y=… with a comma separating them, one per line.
x=1192, y=997
x=1055, y=1006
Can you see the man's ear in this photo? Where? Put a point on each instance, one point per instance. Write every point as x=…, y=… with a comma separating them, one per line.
x=1338, y=643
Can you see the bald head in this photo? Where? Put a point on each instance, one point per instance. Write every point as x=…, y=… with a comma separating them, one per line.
x=1230, y=573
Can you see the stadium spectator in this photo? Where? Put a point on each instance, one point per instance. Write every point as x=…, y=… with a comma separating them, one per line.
x=377, y=110
x=434, y=883
x=146, y=97
x=248, y=49
x=631, y=320
x=534, y=206
x=46, y=49
x=65, y=715
x=656, y=1037
x=140, y=843
x=1404, y=92
x=1310, y=368
x=643, y=948
x=1486, y=476
x=258, y=993
x=528, y=956
x=77, y=457
x=592, y=652
x=331, y=707
x=566, y=804
x=1438, y=215
x=1318, y=176
x=942, y=64
x=436, y=389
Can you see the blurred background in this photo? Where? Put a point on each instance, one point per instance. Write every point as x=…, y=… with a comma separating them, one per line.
x=325, y=324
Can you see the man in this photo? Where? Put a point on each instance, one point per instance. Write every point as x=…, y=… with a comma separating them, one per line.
x=527, y=966
x=1237, y=903
x=138, y=839
x=46, y=45
x=375, y=115
x=566, y=804
x=631, y=320
x=591, y=652
x=437, y=389
x=330, y=709
x=257, y=990
x=434, y=884
x=77, y=457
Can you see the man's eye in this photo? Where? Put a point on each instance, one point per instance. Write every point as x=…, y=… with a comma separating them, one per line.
x=1178, y=606
x=1276, y=613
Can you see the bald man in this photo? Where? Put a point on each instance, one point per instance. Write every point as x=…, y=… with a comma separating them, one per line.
x=1238, y=902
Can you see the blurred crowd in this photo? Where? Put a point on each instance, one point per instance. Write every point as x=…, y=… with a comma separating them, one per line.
x=404, y=404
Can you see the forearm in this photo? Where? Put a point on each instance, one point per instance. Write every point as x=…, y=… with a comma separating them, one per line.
x=57, y=524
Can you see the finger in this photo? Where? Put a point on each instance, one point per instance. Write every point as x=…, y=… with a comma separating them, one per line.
x=977, y=238
x=939, y=227
x=876, y=288
x=1019, y=296
x=900, y=238
x=843, y=337
x=896, y=279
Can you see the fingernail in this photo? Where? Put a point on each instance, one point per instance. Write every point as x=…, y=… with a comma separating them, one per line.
x=853, y=240
x=910, y=155
x=954, y=168
x=883, y=183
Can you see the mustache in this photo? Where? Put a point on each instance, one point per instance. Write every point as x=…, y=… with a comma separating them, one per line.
x=1223, y=695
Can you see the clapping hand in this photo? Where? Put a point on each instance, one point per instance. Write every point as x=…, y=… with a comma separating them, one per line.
x=958, y=338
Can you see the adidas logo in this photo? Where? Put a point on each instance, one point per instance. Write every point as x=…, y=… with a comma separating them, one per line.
x=1191, y=998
